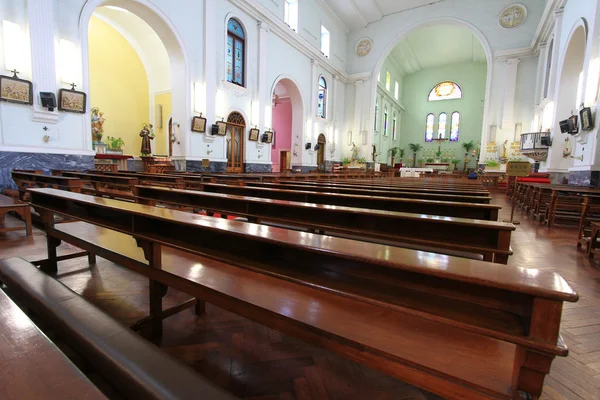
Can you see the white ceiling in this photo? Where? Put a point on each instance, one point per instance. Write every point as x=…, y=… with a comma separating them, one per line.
x=436, y=45
x=360, y=13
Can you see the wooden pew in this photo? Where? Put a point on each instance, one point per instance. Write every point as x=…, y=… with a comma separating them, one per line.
x=120, y=187
x=487, y=331
x=377, y=192
x=454, y=236
x=590, y=213
x=8, y=204
x=488, y=212
x=151, y=179
x=25, y=180
x=136, y=368
x=32, y=366
x=566, y=203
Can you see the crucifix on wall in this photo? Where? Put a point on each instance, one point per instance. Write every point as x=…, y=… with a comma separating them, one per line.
x=439, y=139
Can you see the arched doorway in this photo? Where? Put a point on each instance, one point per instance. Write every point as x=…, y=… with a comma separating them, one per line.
x=321, y=141
x=287, y=115
x=152, y=36
x=236, y=128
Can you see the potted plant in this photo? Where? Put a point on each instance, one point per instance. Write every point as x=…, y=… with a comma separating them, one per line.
x=415, y=148
x=468, y=146
x=430, y=160
x=393, y=151
x=421, y=162
x=114, y=145
x=444, y=160
x=454, y=164
x=401, y=151
x=346, y=161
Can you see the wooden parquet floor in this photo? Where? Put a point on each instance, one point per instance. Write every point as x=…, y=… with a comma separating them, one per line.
x=254, y=362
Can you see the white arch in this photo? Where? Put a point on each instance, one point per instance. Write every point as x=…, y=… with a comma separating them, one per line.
x=167, y=32
x=298, y=114
x=435, y=21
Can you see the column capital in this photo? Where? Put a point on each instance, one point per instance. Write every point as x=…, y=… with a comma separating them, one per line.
x=314, y=63
x=513, y=61
x=262, y=25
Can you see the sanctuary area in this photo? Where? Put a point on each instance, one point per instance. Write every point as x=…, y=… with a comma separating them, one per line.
x=299, y=199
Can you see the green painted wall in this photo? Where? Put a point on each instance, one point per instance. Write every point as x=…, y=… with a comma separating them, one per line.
x=471, y=77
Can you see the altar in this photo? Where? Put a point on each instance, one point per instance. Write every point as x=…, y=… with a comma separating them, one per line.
x=110, y=162
x=438, y=166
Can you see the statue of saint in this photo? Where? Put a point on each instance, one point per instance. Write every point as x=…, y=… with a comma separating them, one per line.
x=146, y=134
x=97, y=124
x=504, y=154
x=354, y=152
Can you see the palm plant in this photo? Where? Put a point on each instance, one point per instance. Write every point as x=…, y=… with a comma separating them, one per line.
x=468, y=146
x=415, y=148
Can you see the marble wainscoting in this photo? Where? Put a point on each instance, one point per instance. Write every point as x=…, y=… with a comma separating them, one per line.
x=258, y=168
x=196, y=166
x=584, y=178
x=10, y=160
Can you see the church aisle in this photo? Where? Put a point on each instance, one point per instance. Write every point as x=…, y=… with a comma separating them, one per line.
x=255, y=362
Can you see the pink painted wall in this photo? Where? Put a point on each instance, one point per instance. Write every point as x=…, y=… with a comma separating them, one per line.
x=282, y=124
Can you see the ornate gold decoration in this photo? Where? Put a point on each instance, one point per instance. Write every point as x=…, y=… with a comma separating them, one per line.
x=363, y=47
x=513, y=16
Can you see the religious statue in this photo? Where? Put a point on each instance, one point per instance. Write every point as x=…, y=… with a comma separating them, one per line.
x=504, y=154
x=354, y=152
x=97, y=124
x=147, y=134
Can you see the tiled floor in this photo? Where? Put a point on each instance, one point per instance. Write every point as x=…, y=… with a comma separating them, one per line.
x=255, y=362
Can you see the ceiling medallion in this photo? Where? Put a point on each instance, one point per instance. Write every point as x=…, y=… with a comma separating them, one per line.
x=363, y=47
x=513, y=16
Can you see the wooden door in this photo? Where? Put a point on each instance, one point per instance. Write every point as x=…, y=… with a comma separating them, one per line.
x=321, y=152
x=235, y=148
x=284, y=161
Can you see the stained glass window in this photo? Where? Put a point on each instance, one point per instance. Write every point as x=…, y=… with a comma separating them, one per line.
x=322, y=100
x=454, y=126
x=385, y=120
x=429, y=127
x=394, y=127
x=235, y=52
x=445, y=91
x=442, y=123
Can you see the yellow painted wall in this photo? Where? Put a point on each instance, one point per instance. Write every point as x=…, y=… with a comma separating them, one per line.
x=118, y=85
x=163, y=99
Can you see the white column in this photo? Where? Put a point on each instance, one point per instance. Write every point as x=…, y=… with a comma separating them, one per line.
x=541, y=72
x=510, y=88
x=555, y=52
x=313, y=92
x=262, y=84
x=210, y=64
x=43, y=61
x=358, y=110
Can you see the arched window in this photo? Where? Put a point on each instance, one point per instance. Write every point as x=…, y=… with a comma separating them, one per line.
x=394, y=120
x=236, y=52
x=429, y=127
x=385, y=120
x=322, y=100
x=376, y=124
x=445, y=91
x=442, y=122
x=454, y=126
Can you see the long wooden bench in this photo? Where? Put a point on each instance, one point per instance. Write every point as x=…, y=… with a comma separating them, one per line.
x=377, y=192
x=459, y=328
x=119, y=187
x=32, y=366
x=487, y=212
x=8, y=204
x=173, y=181
x=454, y=236
x=134, y=367
x=25, y=180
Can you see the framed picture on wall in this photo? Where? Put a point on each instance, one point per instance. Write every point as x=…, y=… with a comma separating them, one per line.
x=254, y=134
x=587, y=122
x=15, y=90
x=198, y=124
x=222, y=128
x=71, y=101
x=268, y=137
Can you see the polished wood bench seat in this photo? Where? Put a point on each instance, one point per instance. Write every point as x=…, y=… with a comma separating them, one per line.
x=119, y=187
x=8, y=204
x=134, y=367
x=32, y=366
x=25, y=180
x=151, y=179
x=459, y=328
x=452, y=236
x=487, y=212
x=380, y=192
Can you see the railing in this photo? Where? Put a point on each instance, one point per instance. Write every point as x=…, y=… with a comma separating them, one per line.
x=533, y=141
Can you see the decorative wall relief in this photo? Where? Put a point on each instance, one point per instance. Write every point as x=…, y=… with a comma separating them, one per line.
x=363, y=47
x=513, y=16
x=16, y=90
